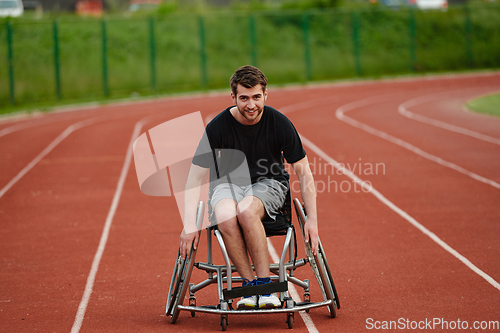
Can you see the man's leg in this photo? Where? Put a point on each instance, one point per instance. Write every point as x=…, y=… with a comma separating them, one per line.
x=225, y=213
x=243, y=233
x=251, y=211
x=250, y=214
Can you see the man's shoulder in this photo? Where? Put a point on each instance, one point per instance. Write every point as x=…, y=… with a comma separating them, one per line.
x=275, y=114
x=271, y=110
x=220, y=119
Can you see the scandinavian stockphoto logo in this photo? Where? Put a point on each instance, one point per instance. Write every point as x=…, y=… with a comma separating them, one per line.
x=337, y=178
x=164, y=154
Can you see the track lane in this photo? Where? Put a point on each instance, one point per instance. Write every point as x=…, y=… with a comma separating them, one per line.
x=452, y=109
x=472, y=200
x=319, y=316
x=418, y=281
x=70, y=129
x=467, y=203
x=431, y=263
x=459, y=102
x=50, y=218
x=434, y=148
x=54, y=210
x=20, y=148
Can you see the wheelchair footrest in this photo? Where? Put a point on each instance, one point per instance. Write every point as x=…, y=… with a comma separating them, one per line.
x=262, y=289
x=215, y=310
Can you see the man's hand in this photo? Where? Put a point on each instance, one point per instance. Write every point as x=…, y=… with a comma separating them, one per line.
x=311, y=234
x=185, y=243
x=308, y=191
x=191, y=199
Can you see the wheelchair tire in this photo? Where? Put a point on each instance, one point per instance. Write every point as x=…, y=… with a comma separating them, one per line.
x=319, y=265
x=223, y=322
x=182, y=274
x=329, y=273
x=174, y=286
x=290, y=320
x=325, y=283
x=182, y=284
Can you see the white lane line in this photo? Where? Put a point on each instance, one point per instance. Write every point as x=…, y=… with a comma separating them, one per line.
x=27, y=120
x=369, y=188
x=25, y=125
x=340, y=114
x=403, y=110
x=47, y=150
x=293, y=292
x=82, y=308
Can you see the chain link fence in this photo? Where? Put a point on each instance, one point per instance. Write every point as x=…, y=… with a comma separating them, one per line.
x=93, y=59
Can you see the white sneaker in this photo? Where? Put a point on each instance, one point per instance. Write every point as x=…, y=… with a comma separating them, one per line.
x=246, y=303
x=269, y=301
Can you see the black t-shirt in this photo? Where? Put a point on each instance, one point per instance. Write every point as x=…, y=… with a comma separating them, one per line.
x=264, y=145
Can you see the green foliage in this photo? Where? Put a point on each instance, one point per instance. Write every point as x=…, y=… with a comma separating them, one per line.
x=167, y=7
x=275, y=41
x=309, y=4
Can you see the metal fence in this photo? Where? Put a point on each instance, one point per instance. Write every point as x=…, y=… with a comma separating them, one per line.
x=90, y=59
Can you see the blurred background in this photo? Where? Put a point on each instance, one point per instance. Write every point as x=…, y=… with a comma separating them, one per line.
x=73, y=51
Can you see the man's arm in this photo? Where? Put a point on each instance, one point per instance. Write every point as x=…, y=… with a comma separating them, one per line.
x=308, y=192
x=191, y=199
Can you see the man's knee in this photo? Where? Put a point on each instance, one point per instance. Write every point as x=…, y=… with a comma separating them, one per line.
x=225, y=211
x=250, y=210
x=225, y=214
x=228, y=225
x=229, y=228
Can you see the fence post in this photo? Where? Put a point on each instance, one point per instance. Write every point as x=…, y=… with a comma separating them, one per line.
x=10, y=63
x=253, y=40
x=56, y=60
x=203, y=55
x=355, y=42
x=105, y=86
x=152, y=48
x=307, y=47
x=468, y=39
x=413, y=34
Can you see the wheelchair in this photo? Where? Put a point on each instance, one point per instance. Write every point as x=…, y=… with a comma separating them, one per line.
x=281, y=274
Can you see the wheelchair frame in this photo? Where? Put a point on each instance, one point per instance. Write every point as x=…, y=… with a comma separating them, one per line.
x=222, y=274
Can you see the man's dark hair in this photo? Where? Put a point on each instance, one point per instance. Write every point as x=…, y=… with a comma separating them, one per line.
x=248, y=77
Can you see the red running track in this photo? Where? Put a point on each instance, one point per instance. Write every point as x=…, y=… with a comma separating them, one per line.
x=423, y=245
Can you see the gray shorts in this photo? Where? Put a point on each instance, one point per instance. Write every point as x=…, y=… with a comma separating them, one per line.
x=271, y=192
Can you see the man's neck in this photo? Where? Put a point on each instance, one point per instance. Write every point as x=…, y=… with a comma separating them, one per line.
x=241, y=119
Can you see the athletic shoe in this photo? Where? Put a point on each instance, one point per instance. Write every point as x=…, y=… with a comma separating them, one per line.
x=247, y=303
x=269, y=301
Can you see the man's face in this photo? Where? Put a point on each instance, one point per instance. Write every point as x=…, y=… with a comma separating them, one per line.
x=250, y=103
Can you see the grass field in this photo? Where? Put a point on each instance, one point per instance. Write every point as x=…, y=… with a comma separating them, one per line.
x=180, y=52
x=489, y=104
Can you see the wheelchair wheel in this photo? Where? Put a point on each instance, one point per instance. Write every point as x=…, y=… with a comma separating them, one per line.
x=319, y=266
x=324, y=282
x=174, y=285
x=329, y=273
x=192, y=299
x=223, y=322
x=290, y=320
x=182, y=275
x=184, y=269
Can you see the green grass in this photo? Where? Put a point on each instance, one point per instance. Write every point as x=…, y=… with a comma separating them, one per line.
x=442, y=43
x=489, y=104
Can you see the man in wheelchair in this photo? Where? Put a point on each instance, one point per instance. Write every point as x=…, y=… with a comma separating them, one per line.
x=265, y=136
